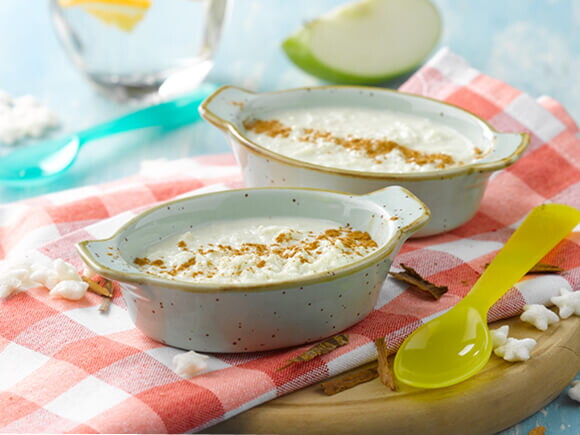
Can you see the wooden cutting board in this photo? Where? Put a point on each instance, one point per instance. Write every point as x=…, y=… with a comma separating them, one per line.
x=499, y=396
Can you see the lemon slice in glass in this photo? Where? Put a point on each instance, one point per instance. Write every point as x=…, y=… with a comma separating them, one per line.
x=123, y=14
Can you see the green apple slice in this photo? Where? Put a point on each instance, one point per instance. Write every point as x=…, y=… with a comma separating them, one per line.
x=366, y=42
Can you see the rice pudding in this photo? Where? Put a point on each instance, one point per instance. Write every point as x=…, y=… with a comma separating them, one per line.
x=362, y=139
x=256, y=250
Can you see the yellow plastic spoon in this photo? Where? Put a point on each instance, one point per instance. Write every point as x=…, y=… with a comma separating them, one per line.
x=457, y=344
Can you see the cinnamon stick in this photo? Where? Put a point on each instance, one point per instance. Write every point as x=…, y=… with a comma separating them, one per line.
x=96, y=287
x=322, y=348
x=386, y=375
x=350, y=380
x=410, y=276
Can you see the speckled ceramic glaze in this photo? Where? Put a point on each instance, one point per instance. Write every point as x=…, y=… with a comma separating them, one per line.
x=241, y=317
x=453, y=194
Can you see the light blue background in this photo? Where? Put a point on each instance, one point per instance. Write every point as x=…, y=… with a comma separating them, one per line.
x=533, y=45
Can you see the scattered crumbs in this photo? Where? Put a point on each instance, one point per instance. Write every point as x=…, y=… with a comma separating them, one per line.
x=189, y=364
x=574, y=391
x=60, y=277
x=568, y=303
x=24, y=117
x=69, y=289
x=239, y=104
x=499, y=336
x=515, y=349
x=539, y=316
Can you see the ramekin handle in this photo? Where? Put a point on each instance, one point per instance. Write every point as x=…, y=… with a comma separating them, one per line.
x=223, y=107
x=408, y=211
x=103, y=257
x=508, y=148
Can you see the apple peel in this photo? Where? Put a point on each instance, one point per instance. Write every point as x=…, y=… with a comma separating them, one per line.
x=366, y=42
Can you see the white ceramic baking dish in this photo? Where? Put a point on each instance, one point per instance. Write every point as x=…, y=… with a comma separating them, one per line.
x=452, y=194
x=240, y=317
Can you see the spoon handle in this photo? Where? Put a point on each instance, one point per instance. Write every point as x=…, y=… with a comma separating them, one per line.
x=542, y=229
x=171, y=114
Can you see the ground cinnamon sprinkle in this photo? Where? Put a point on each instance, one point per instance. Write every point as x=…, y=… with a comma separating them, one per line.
x=272, y=128
x=283, y=237
x=185, y=265
x=146, y=261
x=284, y=247
x=142, y=261
x=376, y=149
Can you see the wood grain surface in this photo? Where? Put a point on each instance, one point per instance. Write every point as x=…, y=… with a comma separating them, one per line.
x=501, y=395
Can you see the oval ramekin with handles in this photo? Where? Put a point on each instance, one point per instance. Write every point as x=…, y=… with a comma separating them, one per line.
x=221, y=317
x=453, y=194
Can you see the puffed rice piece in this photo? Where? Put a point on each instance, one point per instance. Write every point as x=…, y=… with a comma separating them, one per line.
x=23, y=117
x=568, y=302
x=14, y=277
x=11, y=282
x=21, y=269
x=539, y=316
x=70, y=289
x=88, y=272
x=574, y=391
x=516, y=350
x=46, y=276
x=499, y=336
x=65, y=271
x=61, y=278
x=189, y=364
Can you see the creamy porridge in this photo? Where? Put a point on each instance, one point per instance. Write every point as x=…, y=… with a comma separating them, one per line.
x=362, y=139
x=256, y=250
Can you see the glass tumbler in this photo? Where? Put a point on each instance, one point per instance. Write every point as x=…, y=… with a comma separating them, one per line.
x=141, y=49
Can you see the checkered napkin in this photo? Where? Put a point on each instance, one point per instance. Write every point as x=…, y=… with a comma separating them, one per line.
x=66, y=367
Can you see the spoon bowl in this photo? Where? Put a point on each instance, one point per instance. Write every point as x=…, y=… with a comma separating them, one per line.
x=48, y=159
x=40, y=161
x=456, y=345
x=464, y=345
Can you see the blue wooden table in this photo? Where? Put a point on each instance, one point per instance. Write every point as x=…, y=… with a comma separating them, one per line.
x=534, y=46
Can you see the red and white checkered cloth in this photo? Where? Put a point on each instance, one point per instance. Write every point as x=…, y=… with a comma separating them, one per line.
x=66, y=367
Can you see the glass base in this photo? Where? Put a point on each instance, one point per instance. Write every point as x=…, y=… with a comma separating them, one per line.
x=153, y=88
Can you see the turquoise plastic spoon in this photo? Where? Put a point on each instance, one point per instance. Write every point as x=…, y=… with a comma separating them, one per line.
x=457, y=344
x=36, y=162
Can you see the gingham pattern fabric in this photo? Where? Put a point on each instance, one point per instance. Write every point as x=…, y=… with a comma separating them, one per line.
x=66, y=367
